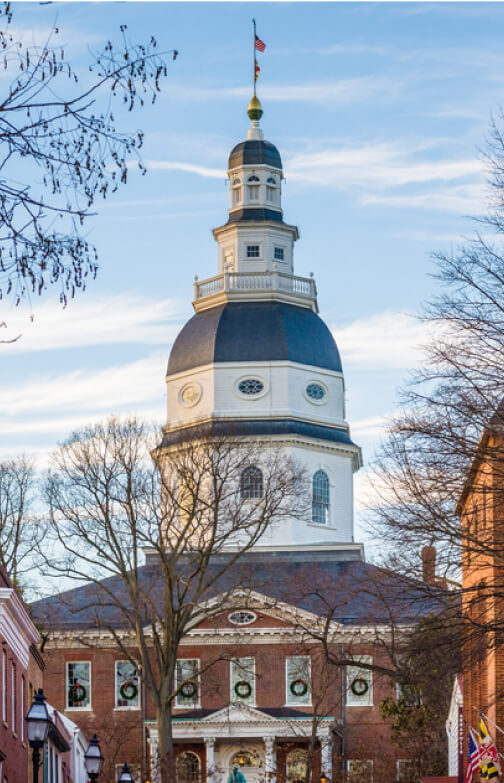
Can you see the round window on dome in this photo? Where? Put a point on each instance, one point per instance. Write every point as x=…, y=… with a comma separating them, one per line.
x=242, y=617
x=251, y=387
x=315, y=392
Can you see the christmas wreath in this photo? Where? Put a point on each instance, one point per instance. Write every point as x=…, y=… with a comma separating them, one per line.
x=77, y=692
x=299, y=687
x=243, y=689
x=128, y=691
x=359, y=686
x=188, y=690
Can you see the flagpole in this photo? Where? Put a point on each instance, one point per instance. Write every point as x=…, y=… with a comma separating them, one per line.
x=490, y=721
x=254, y=57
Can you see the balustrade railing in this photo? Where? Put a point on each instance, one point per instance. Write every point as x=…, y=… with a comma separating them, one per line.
x=255, y=281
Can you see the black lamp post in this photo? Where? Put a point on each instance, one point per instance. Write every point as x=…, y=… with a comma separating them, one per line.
x=37, y=727
x=93, y=759
x=125, y=775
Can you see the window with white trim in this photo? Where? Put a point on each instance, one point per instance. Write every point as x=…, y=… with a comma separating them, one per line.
x=359, y=683
x=13, y=697
x=320, y=498
x=360, y=770
x=236, y=192
x=252, y=251
x=279, y=254
x=127, y=685
x=22, y=708
x=186, y=676
x=253, y=187
x=78, y=685
x=408, y=771
x=243, y=680
x=298, y=679
x=251, y=483
x=4, y=684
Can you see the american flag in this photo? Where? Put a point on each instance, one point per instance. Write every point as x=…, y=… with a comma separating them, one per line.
x=472, y=759
x=259, y=45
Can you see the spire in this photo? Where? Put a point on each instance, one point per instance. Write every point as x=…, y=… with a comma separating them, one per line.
x=255, y=112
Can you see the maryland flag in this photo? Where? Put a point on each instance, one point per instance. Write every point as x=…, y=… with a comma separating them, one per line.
x=489, y=763
x=256, y=70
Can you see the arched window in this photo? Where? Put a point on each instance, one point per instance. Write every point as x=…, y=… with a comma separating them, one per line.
x=236, y=192
x=296, y=763
x=320, y=498
x=253, y=186
x=271, y=190
x=188, y=768
x=251, y=483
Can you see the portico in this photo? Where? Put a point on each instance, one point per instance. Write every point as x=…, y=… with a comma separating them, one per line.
x=247, y=737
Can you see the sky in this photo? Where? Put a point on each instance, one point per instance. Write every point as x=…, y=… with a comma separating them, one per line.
x=379, y=110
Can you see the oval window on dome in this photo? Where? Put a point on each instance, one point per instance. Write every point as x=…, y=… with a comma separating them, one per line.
x=315, y=392
x=242, y=617
x=251, y=386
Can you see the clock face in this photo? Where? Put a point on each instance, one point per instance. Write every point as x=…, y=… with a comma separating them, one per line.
x=190, y=394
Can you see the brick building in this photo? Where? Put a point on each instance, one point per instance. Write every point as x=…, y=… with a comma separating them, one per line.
x=480, y=509
x=21, y=668
x=256, y=362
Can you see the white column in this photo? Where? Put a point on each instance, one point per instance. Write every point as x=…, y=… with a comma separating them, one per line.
x=269, y=743
x=326, y=759
x=153, y=742
x=210, y=758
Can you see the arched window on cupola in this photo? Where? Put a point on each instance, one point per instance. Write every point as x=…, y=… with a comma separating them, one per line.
x=236, y=192
x=188, y=767
x=320, y=498
x=253, y=187
x=272, y=190
x=251, y=483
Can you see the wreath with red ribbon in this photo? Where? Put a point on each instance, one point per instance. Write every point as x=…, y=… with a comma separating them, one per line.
x=243, y=689
x=189, y=690
x=77, y=692
x=359, y=686
x=128, y=691
x=299, y=687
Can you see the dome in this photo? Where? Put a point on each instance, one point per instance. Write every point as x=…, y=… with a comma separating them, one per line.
x=255, y=151
x=254, y=332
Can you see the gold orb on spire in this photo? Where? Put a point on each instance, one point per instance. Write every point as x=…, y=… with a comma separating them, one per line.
x=255, y=110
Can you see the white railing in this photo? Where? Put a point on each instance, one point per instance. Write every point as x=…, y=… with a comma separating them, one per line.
x=255, y=281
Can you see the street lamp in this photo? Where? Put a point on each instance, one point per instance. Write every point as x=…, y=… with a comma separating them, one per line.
x=125, y=775
x=93, y=759
x=37, y=726
x=323, y=778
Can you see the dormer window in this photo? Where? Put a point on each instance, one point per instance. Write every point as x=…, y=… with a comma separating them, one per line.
x=253, y=186
x=236, y=192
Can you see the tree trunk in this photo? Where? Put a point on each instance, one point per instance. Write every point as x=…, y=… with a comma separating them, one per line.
x=166, y=750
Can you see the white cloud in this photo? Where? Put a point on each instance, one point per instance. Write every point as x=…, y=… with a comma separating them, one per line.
x=379, y=166
x=171, y=165
x=117, y=319
x=104, y=391
x=468, y=199
x=385, y=341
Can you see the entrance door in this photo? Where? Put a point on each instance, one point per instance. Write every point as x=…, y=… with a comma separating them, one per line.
x=250, y=763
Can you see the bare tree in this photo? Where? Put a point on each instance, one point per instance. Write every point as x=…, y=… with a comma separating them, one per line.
x=21, y=530
x=58, y=134
x=195, y=511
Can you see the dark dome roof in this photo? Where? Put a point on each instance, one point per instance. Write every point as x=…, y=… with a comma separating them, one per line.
x=255, y=151
x=254, y=332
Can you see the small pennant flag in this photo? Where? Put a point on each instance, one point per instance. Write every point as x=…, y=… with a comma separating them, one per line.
x=259, y=45
x=256, y=72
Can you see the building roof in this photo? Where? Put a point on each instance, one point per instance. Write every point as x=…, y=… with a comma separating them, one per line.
x=255, y=151
x=254, y=332
x=360, y=593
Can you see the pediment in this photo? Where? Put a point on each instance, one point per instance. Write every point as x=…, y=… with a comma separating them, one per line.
x=239, y=713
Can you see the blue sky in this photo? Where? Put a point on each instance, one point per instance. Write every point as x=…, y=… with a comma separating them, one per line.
x=378, y=110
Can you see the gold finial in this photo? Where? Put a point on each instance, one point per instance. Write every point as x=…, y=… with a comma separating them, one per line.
x=255, y=110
